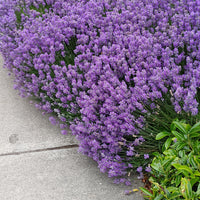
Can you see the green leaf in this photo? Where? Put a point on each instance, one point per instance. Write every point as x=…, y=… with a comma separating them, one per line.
x=172, y=126
x=154, y=182
x=156, y=165
x=156, y=154
x=181, y=127
x=178, y=135
x=159, y=197
x=168, y=143
x=194, y=180
x=181, y=153
x=183, y=186
x=166, y=191
x=186, y=188
x=197, y=173
x=170, y=152
x=178, y=180
x=195, y=128
x=146, y=191
x=172, y=189
x=197, y=161
x=167, y=162
x=192, y=162
x=186, y=126
x=182, y=167
x=180, y=146
x=193, y=135
x=161, y=135
x=174, y=195
x=198, y=190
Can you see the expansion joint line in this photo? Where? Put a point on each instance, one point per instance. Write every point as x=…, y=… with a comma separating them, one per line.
x=40, y=150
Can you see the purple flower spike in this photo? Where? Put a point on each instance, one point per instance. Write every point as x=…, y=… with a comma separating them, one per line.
x=148, y=169
x=64, y=132
x=53, y=120
x=139, y=169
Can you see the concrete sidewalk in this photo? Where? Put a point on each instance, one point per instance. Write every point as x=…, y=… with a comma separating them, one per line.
x=37, y=162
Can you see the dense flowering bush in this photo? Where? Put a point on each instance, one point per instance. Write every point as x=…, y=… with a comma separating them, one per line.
x=102, y=66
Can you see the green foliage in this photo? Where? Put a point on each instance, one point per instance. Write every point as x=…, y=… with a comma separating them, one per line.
x=41, y=8
x=176, y=172
x=158, y=119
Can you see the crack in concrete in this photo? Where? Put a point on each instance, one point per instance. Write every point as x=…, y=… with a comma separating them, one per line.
x=39, y=150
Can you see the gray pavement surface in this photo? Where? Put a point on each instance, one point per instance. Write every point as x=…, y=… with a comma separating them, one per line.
x=37, y=162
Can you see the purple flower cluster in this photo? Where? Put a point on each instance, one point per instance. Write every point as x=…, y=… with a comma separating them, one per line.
x=96, y=63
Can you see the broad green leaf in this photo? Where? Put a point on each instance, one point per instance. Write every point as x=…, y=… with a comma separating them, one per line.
x=181, y=153
x=194, y=180
x=156, y=154
x=181, y=127
x=182, y=167
x=156, y=165
x=178, y=135
x=186, y=126
x=146, y=191
x=188, y=188
x=197, y=173
x=154, y=182
x=195, y=128
x=192, y=162
x=174, y=195
x=168, y=143
x=180, y=146
x=193, y=135
x=166, y=191
x=178, y=180
x=161, y=135
x=172, y=189
x=172, y=127
x=197, y=161
x=198, y=189
x=182, y=188
x=170, y=152
x=167, y=162
x=159, y=197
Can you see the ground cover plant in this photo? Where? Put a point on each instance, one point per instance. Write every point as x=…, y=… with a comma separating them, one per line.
x=118, y=72
x=176, y=172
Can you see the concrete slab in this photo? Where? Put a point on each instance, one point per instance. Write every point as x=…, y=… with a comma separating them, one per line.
x=22, y=126
x=58, y=175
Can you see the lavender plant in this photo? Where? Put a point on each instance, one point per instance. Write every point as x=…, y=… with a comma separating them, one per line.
x=117, y=71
